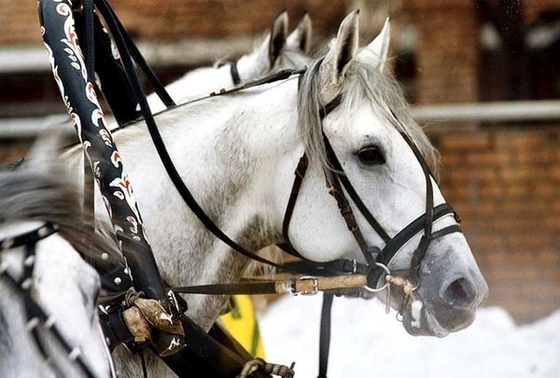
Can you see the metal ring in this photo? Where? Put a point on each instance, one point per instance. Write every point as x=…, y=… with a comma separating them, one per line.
x=387, y=279
x=384, y=267
x=377, y=290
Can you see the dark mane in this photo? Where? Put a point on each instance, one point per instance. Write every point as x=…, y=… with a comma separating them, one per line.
x=28, y=193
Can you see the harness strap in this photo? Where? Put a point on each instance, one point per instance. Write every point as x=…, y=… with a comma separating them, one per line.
x=29, y=238
x=325, y=334
x=325, y=110
x=212, y=354
x=113, y=82
x=130, y=48
x=416, y=226
x=304, y=285
x=114, y=327
x=299, y=173
x=34, y=312
x=328, y=268
x=352, y=192
x=420, y=251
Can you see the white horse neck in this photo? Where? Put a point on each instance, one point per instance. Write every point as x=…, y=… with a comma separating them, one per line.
x=232, y=152
x=195, y=84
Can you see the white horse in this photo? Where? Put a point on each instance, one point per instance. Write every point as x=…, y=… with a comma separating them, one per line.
x=48, y=316
x=277, y=51
x=237, y=154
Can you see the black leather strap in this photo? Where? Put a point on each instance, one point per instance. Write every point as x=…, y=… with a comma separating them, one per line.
x=413, y=228
x=248, y=288
x=234, y=73
x=114, y=327
x=325, y=334
x=325, y=110
x=29, y=238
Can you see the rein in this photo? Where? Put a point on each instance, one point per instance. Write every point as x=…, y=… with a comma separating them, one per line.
x=36, y=315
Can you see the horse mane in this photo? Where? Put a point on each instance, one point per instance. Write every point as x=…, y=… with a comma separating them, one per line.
x=31, y=194
x=361, y=81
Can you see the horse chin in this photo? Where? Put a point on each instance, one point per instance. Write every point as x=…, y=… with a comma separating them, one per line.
x=419, y=321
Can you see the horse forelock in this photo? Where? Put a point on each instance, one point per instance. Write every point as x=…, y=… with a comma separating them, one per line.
x=309, y=120
x=361, y=82
x=365, y=81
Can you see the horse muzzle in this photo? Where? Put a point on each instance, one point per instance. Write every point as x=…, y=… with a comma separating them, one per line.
x=450, y=309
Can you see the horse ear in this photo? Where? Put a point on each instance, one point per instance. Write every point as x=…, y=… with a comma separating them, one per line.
x=343, y=51
x=278, y=36
x=376, y=52
x=300, y=38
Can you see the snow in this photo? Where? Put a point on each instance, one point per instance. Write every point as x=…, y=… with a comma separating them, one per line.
x=366, y=342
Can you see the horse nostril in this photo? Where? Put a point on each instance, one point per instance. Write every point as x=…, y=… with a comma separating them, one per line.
x=459, y=293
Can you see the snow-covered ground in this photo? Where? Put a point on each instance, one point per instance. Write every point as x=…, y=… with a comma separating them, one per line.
x=368, y=343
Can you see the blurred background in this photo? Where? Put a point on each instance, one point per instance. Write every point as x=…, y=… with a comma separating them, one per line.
x=482, y=76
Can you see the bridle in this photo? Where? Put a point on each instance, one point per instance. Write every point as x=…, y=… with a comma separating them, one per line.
x=37, y=317
x=377, y=259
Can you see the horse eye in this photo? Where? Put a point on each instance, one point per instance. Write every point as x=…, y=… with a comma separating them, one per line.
x=371, y=155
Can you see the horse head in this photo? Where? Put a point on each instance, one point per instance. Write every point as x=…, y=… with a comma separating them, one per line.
x=362, y=142
x=48, y=314
x=278, y=50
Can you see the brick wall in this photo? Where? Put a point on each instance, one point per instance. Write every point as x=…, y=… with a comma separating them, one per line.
x=505, y=184
x=19, y=23
x=169, y=19
x=446, y=51
x=172, y=19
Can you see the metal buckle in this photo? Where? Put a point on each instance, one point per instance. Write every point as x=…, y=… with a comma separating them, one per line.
x=293, y=290
x=315, y=289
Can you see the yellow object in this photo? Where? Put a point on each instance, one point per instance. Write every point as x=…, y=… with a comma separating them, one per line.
x=241, y=322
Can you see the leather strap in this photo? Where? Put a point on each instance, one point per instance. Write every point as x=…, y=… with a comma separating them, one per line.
x=325, y=334
x=234, y=73
x=29, y=238
x=302, y=285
